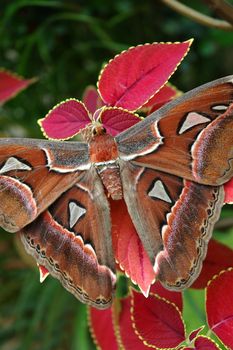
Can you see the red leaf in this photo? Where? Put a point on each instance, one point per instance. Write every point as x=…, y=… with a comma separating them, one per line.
x=218, y=258
x=157, y=321
x=173, y=297
x=133, y=77
x=128, y=249
x=219, y=306
x=228, y=187
x=116, y=120
x=205, y=343
x=194, y=333
x=65, y=120
x=101, y=326
x=166, y=94
x=11, y=84
x=129, y=338
x=92, y=99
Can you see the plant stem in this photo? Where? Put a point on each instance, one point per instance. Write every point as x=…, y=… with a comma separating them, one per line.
x=222, y=8
x=197, y=16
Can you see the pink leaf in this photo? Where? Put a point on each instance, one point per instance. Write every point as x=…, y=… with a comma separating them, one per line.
x=219, y=306
x=65, y=120
x=204, y=343
x=128, y=249
x=116, y=120
x=228, y=187
x=129, y=338
x=157, y=321
x=101, y=326
x=134, y=76
x=166, y=94
x=92, y=99
x=173, y=297
x=11, y=84
x=218, y=257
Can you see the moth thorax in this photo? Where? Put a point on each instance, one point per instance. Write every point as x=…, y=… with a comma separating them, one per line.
x=110, y=176
x=103, y=148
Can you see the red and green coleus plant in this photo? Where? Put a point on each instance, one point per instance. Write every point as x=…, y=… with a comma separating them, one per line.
x=139, y=323
x=119, y=93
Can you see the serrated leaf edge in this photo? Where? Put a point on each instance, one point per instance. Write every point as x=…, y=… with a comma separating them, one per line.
x=136, y=330
x=39, y=121
x=190, y=41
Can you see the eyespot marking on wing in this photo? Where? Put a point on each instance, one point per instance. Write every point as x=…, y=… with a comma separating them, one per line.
x=192, y=119
x=76, y=211
x=158, y=191
x=13, y=163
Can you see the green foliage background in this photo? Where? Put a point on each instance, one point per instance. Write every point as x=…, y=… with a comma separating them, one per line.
x=64, y=44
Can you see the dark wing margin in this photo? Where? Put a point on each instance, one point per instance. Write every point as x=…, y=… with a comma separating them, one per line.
x=72, y=239
x=174, y=219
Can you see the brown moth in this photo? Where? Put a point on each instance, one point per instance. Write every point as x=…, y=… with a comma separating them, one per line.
x=169, y=169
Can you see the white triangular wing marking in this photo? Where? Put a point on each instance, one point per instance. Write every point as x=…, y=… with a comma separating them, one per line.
x=159, y=191
x=75, y=213
x=14, y=164
x=191, y=120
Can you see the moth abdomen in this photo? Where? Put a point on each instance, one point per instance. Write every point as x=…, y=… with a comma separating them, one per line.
x=110, y=176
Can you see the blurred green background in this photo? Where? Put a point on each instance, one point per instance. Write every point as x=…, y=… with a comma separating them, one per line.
x=64, y=44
